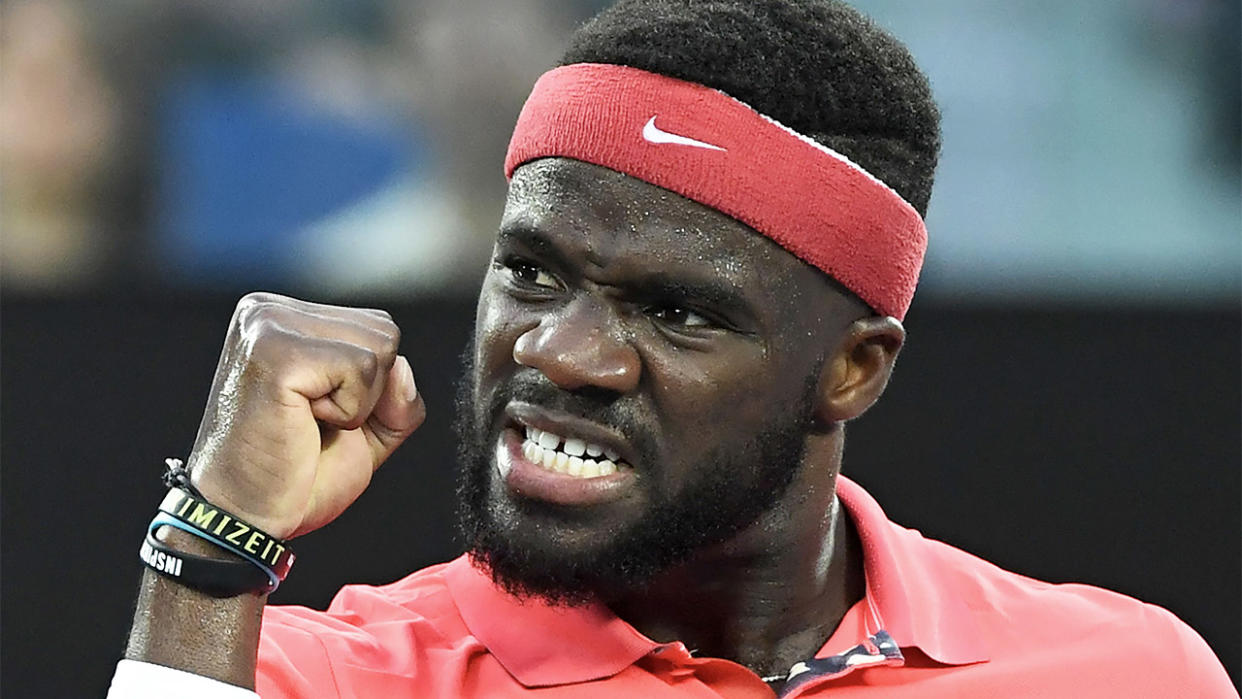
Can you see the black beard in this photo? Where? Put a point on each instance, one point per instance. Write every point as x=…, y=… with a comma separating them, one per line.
x=711, y=510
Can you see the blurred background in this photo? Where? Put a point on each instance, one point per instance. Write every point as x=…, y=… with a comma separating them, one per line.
x=1069, y=404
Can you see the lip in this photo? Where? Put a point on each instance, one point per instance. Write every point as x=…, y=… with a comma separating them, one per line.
x=532, y=481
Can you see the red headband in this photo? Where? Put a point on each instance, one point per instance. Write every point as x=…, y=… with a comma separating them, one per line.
x=709, y=147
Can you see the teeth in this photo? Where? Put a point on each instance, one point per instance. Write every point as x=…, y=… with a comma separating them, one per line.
x=540, y=448
x=575, y=447
x=504, y=463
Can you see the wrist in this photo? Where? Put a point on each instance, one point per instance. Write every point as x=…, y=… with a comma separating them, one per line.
x=230, y=556
x=265, y=516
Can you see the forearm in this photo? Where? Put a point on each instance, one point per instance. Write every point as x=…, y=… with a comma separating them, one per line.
x=182, y=628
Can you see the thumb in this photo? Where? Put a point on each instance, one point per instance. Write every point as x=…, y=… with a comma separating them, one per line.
x=398, y=412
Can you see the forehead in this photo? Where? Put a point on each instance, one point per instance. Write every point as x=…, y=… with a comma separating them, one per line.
x=612, y=218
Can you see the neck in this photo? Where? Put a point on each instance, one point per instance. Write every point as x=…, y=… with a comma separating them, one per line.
x=773, y=594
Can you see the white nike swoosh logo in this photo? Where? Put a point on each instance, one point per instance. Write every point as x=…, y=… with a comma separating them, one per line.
x=655, y=134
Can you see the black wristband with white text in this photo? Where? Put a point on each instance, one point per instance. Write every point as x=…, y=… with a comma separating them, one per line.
x=224, y=529
x=212, y=576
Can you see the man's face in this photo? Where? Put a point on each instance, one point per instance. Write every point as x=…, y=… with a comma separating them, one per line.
x=670, y=349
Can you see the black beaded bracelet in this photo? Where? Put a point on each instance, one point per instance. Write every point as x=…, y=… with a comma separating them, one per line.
x=176, y=475
x=213, y=576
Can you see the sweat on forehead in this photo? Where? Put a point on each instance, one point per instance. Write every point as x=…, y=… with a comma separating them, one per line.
x=612, y=197
x=565, y=196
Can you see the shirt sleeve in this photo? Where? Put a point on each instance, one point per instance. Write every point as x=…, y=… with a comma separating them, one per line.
x=138, y=680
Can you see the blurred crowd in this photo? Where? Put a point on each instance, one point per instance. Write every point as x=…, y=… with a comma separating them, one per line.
x=354, y=148
x=349, y=146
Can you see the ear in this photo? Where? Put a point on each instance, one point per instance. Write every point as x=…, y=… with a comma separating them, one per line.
x=855, y=375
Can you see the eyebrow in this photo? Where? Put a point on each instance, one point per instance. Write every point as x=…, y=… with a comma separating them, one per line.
x=533, y=238
x=713, y=292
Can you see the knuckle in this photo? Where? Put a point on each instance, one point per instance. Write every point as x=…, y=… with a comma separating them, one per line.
x=252, y=312
x=368, y=365
x=254, y=299
x=393, y=332
x=377, y=313
x=251, y=298
x=392, y=341
x=259, y=297
x=263, y=341
x=378, y=325
x=243, y=311
x=384, y=321
x=376, y=317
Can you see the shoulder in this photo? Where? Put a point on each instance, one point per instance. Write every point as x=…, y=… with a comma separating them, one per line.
x=418, y=598
x=1076, y=627
x=367, y=634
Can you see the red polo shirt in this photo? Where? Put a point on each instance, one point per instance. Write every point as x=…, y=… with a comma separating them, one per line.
x=935, y=622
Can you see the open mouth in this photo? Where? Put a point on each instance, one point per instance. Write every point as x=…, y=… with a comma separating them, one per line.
x=571, y=456
x=579, y=465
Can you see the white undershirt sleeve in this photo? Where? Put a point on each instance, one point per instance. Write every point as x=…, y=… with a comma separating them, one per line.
x=138, y=680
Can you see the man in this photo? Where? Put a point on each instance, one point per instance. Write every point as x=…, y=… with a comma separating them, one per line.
x=712, y=233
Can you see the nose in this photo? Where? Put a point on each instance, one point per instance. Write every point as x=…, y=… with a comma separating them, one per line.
x=575, y=349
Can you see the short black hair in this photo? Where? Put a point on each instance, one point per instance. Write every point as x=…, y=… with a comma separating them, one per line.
x=817, y=66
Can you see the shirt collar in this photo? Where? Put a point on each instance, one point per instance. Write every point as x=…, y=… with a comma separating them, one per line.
x=539, y=643
x=542, y=644
x=908, y=587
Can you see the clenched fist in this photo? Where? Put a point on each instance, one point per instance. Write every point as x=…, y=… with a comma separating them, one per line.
x=308, y=400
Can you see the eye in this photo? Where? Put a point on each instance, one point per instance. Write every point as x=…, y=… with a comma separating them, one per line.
x=676, y=315
x=527, y=273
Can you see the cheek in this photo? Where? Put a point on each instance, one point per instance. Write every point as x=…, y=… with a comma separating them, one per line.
x=723, y=398
x=497, y=328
